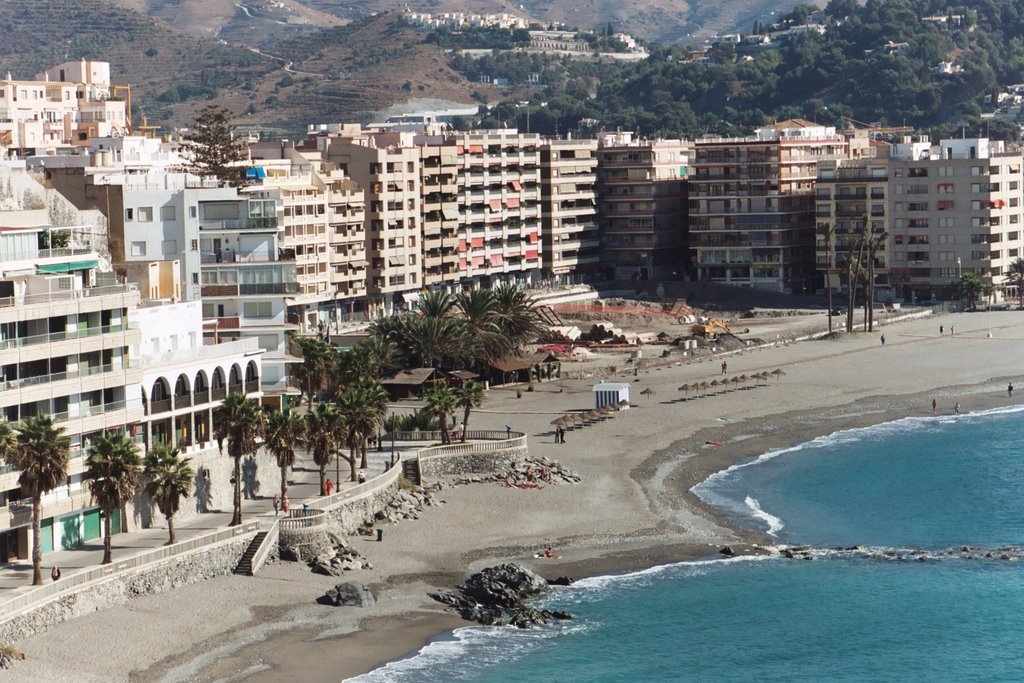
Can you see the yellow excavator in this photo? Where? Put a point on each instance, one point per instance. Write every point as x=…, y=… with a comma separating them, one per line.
x=710, y=329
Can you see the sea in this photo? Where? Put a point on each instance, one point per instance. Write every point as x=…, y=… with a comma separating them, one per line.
x=890, y=594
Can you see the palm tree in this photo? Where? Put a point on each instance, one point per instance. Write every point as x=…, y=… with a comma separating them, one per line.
x=1016, y=277
x=484, y=340
x=969, y=286
x=112, y=468
x=516, y=315
x=828, y=231
x=441, y=403
x=876, y=242
x=436, y=304
x=169, y=479
x=41, y=452
x=376, y=397
x=470, y=395
x=286, y=431
x=434, y=339
x=362, y=409
x=241, y=423
x=317, y=358
x=324, y=429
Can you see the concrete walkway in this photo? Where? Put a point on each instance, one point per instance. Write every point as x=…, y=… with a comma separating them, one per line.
x=303, y=486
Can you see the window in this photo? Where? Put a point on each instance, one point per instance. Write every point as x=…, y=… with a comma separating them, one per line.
x=917, y=206
x=976, y=170
x=918, y=172
x=191, y=212
x=947, y=222
x=129, y=215
x=138, y=248
x=169, y=247
x=946, y=205
x=195, y=278
x=945, y=188
x=258, y=309
x=195, y=245
x=168, y=213
x=145, y=214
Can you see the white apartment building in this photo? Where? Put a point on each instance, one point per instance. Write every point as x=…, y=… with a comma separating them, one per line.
x=66, y=340
x=62, y=107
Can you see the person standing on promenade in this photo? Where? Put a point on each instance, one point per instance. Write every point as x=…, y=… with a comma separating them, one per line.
x=329, y=485
x=55, y=573
x=508, y=432
x=277, y=504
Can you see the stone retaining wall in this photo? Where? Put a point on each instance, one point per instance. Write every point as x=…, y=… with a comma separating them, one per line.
x=301, y=545
x=217, y=560
x=470, y=463
x=349, y=515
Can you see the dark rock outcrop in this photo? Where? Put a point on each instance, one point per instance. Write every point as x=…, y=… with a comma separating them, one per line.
x=350, y=594
x=497, y=596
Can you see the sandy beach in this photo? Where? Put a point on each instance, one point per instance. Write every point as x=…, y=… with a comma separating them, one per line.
x=633, y=509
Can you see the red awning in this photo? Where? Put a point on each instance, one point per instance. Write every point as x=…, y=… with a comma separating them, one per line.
x=495, y=204
x=478, y=261
x=513, y=202
x=478, y=243
x=497, y=259
x=516, y=185
x=531, y=254
x=476, y=149
x=532, y=238
x=462, y=245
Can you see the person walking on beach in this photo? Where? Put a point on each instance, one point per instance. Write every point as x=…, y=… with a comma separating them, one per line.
x=277, y=504
x=942, y=330
x=883, y=340
x=951, y=330
x=956, y=409
x=1009, y=390
x=935, y=405
x=725, y=366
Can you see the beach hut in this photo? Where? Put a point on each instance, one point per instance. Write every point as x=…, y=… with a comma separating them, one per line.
x=411, y=383
x=609, y=392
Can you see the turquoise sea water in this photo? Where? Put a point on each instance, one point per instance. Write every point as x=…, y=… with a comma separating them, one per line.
x=930, y=484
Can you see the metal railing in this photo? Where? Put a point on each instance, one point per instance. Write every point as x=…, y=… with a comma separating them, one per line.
x=37, y=596
x=361, y=490
x=65, y=295
x=481, y=434
x=269, y=542
x=472, y=447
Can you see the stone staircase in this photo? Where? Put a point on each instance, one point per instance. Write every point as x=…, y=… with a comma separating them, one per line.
x=244, y=566
x=411, y=470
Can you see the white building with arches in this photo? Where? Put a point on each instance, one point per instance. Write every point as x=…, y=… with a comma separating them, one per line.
x=185, y=380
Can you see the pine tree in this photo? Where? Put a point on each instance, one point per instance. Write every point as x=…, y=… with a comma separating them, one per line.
x=212, y=149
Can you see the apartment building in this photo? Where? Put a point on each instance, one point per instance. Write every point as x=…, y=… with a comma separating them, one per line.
x=643, y=209
x=321, y=228
x=66, y=334
x=569, y=227
x=387, y=166
x=499, y=192
x=850, y=192
x=956, y=209
x=752, y=205
x=442, y=222
x=62, y=107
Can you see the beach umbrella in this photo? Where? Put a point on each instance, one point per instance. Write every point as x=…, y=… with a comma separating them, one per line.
x=593, y=415
x=714, y=385
x=704, y=387
x=624, y=403
x=778, y=372
x=648, y=392
x=735, y=382
x=686, y=388
x=558, y=421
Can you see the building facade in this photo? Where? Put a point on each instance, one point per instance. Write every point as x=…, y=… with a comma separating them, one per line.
x=569, y=229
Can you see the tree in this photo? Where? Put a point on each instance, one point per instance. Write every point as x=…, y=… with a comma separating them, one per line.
x=241, y=423
x=1016, y=278
x=112, y=468
x=41, y=452
x=317, y=360
x=325, y=428
x=516, y=315
x=286, y=431
x=212, y=150
x=441, y=403
x=168, y=480
x=876, y=242
x=969, y=287
x=828, y=231
x=484, y=340
x=470, y=395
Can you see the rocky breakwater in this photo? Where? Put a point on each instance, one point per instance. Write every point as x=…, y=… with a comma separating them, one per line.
x=526, y=473
x=408, y=503
x=498, y=596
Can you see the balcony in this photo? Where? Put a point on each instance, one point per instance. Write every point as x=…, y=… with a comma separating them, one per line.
x=53, y=337
x=69, y=295
x=252, y=386
x=261, y=223
x=218, y=393
x=250, y=290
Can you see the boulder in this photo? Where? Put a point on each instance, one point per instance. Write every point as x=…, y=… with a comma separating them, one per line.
x=506, y=585
x=561, y=581
x=350, y=594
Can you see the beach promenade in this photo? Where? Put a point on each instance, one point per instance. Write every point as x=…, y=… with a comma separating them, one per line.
x=633, y=508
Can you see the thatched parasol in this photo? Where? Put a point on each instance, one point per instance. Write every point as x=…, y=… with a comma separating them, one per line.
x=686, y=388
x=558, y=422
x=623, y=403
x=704, y=386
x=714, y=385
x=778, y=372
x=735, y=382
x=648, y=392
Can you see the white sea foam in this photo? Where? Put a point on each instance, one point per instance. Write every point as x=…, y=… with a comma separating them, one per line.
x=774, y=523
x=468, y=649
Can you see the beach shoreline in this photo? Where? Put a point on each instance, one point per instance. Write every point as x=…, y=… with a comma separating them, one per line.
x=630, y=513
